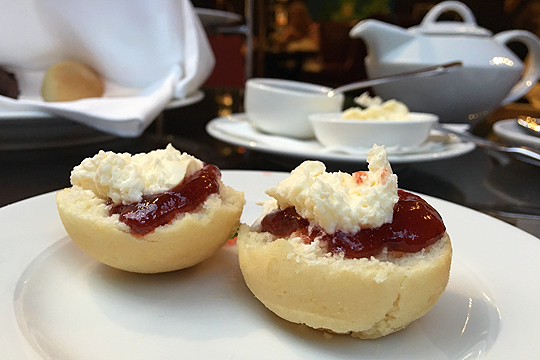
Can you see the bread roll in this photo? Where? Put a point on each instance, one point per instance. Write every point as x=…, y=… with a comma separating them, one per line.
x=186, y=241
x=366, y=297
x=70, y=80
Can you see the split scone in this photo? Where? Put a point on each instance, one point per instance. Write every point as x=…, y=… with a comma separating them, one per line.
x=346, y=253
x=149, y=213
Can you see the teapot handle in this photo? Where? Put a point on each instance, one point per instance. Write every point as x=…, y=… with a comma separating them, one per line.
x=532, y=71
x=460, y=8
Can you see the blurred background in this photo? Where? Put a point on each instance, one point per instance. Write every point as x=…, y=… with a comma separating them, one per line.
x=307, y=40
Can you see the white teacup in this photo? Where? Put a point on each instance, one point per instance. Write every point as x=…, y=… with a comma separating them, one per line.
x=281, y=107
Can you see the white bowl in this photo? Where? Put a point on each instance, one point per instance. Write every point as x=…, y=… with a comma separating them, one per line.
x=281, y=107
x=331, y=130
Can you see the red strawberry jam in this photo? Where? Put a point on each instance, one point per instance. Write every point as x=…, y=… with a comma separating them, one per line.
x=160, y=209
x=415, y=225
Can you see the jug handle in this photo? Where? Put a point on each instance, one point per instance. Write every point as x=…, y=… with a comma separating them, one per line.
x=532, y=71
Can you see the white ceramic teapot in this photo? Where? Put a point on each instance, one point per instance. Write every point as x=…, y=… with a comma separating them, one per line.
x=491, y=76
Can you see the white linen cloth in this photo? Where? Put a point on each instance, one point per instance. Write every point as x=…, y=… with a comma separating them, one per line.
x=147, y=51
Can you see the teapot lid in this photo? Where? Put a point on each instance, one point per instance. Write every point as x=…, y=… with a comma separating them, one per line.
x=431, y=26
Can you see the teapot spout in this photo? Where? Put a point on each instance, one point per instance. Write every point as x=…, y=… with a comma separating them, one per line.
x=380, y=37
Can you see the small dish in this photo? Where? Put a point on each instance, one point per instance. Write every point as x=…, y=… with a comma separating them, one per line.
x=281, y=107
x=512, y=134
x=332, y=130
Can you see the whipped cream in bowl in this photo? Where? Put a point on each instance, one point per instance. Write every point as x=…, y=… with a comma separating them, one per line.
x=386, y=123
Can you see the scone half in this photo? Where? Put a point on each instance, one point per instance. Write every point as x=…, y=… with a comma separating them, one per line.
x=365, y=297
x=189, y=239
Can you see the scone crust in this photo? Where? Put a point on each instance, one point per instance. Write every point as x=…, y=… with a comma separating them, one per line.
x=366, y=298
x=186, y=241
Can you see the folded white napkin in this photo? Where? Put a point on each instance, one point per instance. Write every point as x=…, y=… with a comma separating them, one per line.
x=147, y=51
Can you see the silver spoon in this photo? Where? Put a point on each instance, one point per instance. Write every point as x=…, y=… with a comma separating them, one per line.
x=522, y=153
x=530, y=123
x=429, y=71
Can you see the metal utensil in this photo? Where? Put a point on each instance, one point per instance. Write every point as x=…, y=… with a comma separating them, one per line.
x=429, y=71
x=530, y=123
x=522, y=153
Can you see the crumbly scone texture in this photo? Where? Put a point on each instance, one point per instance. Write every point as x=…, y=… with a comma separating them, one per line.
x=367, y=298
x=186, y=241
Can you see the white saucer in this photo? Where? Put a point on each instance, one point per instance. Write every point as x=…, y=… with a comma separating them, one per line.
x=235, y=129
x=58, y=303
x=211, y=18
x=513, y=134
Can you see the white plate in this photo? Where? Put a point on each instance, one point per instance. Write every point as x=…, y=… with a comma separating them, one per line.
x=23, y=130
x=213, y=18
x=513, y=134
x=58, y=303
x=6, y=114
x=234, y=130
x=188, y=100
